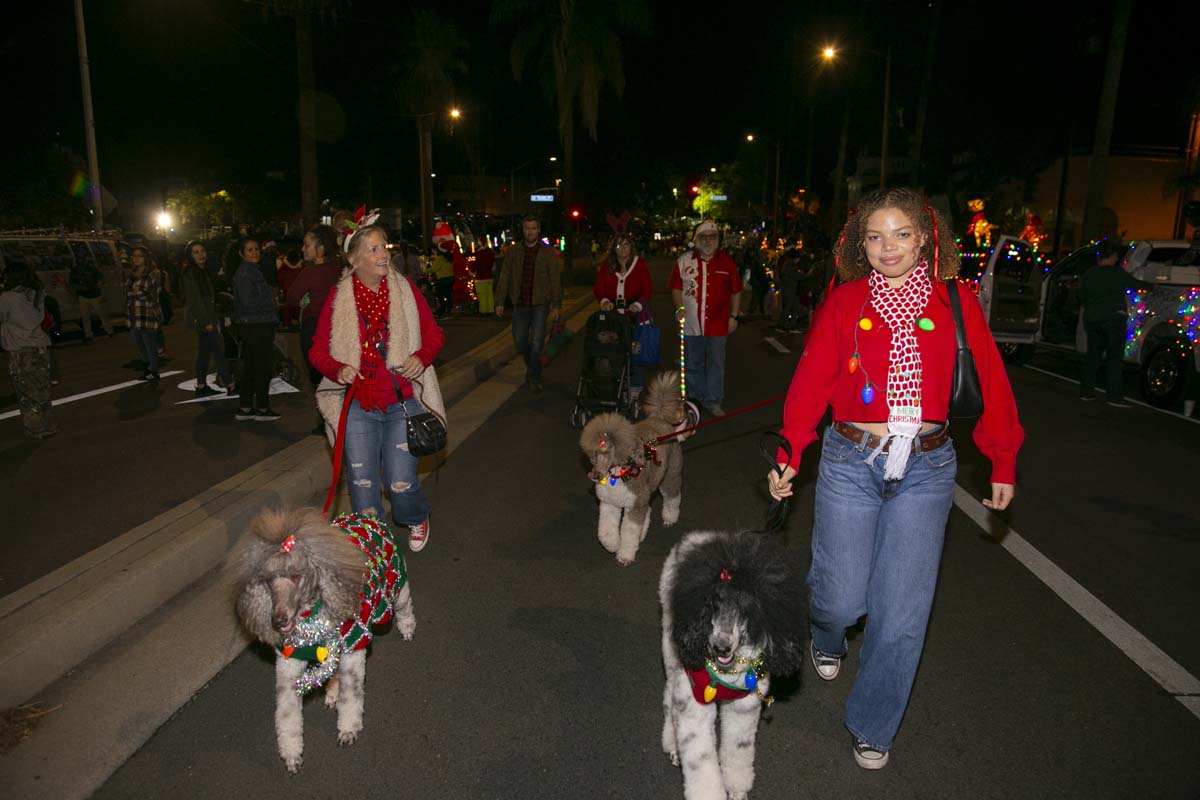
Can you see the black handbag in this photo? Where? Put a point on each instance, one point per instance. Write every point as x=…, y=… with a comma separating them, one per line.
x=426, y=431
x=966, y=399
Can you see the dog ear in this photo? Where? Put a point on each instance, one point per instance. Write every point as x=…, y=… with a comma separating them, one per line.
x=784, y=657
x=691, y=641
x=254, y=610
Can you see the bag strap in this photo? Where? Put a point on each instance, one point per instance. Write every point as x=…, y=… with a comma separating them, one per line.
x=960, y=330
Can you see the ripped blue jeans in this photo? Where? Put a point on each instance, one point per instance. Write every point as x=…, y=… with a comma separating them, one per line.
x=377, y=443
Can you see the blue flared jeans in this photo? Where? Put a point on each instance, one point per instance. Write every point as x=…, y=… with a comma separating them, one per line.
x=377, y=442
x=529, y=334
x=875, y=551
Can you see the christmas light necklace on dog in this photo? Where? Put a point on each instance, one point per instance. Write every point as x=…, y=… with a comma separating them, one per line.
x=710, y=676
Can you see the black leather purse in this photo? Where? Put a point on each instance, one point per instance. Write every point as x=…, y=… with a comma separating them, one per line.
x=966, y=399
x=426, y=431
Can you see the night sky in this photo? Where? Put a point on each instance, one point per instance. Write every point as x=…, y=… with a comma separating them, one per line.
x=203, y=93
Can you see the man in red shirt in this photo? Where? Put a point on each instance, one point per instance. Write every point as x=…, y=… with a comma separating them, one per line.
x=707, y=291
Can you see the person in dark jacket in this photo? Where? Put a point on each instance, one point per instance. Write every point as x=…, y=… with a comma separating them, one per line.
x=256, y=315
x=1102, y=294
x=87, y=283
x=200, y=295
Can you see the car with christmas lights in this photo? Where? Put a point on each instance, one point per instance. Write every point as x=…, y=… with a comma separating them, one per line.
x=1031, y=302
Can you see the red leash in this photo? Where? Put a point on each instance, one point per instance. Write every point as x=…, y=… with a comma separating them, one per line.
x=339, y=443
x=741, y=410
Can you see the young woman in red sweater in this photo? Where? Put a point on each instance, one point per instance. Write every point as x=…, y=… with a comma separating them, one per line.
x=623, y=283
x=881, y=353
x=377, y=332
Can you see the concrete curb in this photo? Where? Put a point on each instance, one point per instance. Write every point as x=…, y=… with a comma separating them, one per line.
x=58, y=621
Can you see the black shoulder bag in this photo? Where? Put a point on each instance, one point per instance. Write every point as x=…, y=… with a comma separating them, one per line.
x=966, y=399
x=426, y=432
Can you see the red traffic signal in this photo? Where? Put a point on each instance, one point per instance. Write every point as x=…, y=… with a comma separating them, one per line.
x=695, y=190
x=575, y=213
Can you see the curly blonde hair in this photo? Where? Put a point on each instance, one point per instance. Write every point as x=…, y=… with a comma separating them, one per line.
x=851, y=251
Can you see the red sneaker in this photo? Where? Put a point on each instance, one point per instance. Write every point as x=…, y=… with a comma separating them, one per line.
x=418, y=535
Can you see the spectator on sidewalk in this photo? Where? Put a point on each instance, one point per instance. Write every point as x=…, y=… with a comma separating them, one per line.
x=1102, y=296
x=707, y=291
x=200, y=299
x=531, y=284
x=377, y=332
x=288, y=267
x=22, y=311
x=87, y=282
x=444, y=266
x=309, y=291
x=623, y=284
x=143, y=306
x=484, y=267
x=256, y=314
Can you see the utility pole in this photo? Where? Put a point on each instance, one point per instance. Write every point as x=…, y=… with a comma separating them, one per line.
x=89, y=119
x=1098, y=173
x=425, y=156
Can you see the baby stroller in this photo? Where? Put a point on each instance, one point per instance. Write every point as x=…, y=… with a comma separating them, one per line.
x=285, y=368
x=604, y=382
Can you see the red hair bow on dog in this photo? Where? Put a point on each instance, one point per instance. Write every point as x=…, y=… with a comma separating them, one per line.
x=287, y=544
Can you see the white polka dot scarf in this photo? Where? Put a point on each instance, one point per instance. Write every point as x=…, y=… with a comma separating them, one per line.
x=899, y=309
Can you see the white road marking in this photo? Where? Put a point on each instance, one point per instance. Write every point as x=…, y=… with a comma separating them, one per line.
x=771, y=340
x=278, y=386
x=117, y=387
x=1168, y=673
x=1136, y=402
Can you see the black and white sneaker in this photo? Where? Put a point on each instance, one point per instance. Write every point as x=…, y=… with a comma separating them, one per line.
x=868, y=757
x=244, y=414
x=827, y=667
x=267, y=415
x=205, y=391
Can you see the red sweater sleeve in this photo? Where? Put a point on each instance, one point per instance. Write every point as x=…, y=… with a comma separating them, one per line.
x=643, y=287
x=812, y=383
x=998, y=433
x=318, y=353
x=600, y=290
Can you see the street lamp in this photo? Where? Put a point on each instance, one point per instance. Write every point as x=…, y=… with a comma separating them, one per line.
x=829, y=53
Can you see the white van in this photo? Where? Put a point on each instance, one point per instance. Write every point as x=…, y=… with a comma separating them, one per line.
x=52, y=254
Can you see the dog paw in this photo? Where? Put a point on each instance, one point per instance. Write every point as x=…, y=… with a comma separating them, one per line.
x=347, y=738
x=674, y=756
x=293, y=763
x=624, y=561
x=739, y=796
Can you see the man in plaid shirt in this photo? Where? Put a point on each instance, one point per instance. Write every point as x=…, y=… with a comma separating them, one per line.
x=531, y=278
x=144, y=308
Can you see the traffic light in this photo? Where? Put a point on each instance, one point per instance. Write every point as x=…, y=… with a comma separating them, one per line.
x=695, y=190
x=574, y=213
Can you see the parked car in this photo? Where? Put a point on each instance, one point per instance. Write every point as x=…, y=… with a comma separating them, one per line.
x=1026, y=308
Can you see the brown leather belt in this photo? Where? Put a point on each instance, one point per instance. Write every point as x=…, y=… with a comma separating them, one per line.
x=922, y=444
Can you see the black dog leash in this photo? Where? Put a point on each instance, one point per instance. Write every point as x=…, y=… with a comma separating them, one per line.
x=769, y=443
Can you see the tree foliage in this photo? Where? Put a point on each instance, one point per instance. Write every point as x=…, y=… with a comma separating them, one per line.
x=192, y=207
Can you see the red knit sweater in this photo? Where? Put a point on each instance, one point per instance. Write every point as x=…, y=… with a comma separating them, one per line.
x=431, y=344
x=822, y=377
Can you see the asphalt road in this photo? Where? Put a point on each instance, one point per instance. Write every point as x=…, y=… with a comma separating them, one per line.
x=536, y=672
x=125, y=456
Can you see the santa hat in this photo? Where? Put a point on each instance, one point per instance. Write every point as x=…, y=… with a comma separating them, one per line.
x=442, y=234
x=708, y=226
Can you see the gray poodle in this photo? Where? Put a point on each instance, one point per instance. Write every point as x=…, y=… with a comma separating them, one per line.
x=313, y=590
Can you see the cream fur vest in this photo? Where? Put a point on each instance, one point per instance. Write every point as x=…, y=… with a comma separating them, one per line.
x=404, y=339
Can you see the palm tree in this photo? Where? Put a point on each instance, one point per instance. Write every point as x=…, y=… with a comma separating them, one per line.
x=424, y=82
x=577, y=47
x=304, y=12
x=1098, y=173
